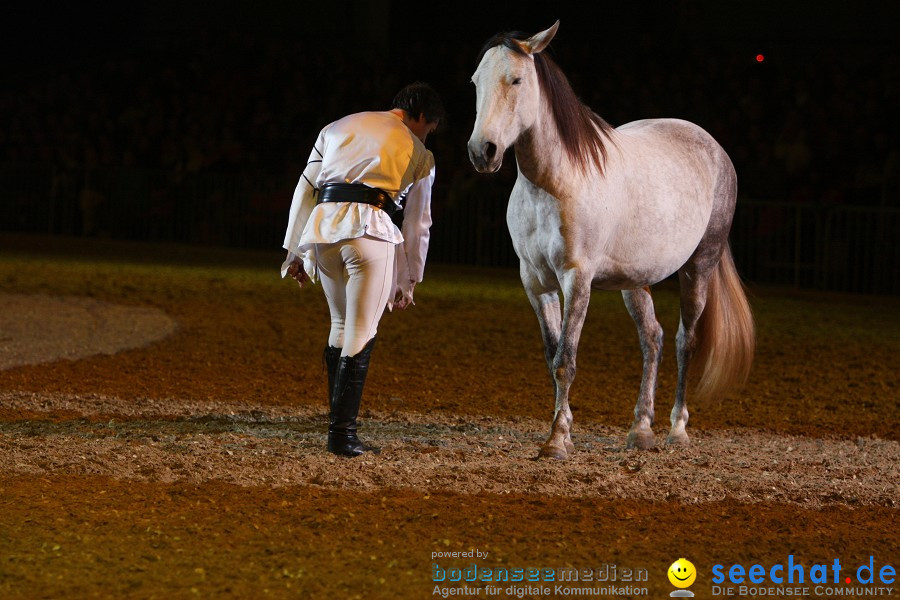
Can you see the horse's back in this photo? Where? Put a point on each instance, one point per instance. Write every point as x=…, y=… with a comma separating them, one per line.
x=675, y=128
x=669, y=140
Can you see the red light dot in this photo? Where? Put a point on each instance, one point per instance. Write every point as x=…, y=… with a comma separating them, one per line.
x=847, y=580
x=760, y=58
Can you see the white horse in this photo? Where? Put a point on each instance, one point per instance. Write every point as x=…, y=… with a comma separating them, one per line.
x=613, y=209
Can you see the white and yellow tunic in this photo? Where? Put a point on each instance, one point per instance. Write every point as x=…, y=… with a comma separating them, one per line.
x=375, y=149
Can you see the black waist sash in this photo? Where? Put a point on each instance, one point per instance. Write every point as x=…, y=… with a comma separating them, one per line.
x=357, y=192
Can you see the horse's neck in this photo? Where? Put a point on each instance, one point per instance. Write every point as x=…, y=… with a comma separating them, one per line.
x=541, y=158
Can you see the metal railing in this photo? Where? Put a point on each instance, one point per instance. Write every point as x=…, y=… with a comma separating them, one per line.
x=827, y=247
x=837, y=248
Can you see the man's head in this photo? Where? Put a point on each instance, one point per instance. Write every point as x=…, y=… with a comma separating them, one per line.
x=423, y=107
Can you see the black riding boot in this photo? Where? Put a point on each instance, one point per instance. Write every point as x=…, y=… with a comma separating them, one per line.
x=349, y=380
x=330, y=357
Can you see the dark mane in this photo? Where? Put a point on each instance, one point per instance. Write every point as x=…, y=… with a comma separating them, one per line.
x=581, y=130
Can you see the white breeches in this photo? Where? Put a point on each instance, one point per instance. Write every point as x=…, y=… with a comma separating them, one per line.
x=357, y=276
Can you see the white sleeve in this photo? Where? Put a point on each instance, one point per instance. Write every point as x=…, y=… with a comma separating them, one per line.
x=417, y=224
x=304, y=196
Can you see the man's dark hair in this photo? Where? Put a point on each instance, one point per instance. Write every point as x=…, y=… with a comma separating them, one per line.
x=419, y=98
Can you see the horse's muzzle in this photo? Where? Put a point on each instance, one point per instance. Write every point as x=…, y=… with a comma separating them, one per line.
x=485, y=156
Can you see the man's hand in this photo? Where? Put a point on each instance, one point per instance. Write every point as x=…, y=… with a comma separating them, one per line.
x=295, y=270
x=404, y=297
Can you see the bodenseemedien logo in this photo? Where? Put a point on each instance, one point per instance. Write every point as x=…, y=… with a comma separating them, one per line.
x=682, y=574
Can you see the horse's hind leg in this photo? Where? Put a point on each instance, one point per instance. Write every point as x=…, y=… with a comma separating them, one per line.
x=696, y=331
x=694, y=284
x=640, y=306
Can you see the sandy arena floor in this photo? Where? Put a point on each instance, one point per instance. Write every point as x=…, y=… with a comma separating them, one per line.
x=161, y=435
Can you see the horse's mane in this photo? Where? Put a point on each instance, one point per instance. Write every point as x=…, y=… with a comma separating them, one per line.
x=581, y=130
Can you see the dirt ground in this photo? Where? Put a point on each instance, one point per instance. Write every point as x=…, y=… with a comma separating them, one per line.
x=162, y=417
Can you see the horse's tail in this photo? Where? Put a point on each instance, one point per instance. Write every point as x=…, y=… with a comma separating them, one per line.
x=726, y=337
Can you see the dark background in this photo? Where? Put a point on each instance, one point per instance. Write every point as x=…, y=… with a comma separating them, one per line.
x=140, y=108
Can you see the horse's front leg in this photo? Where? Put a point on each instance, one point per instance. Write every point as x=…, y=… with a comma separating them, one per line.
x=577, y=295
x=546, y=307
x=640, y=307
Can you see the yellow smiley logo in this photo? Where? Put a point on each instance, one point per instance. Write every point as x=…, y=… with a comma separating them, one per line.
x=682, y=573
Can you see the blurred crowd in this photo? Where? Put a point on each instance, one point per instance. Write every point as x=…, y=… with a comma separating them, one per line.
x=805, y=124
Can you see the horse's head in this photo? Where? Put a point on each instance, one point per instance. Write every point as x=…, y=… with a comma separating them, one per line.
x=507, y=96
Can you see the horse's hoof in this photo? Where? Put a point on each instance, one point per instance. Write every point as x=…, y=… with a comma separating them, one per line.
x=678, y=439
x=642, y=439
x=570, y=447
x=553, y=452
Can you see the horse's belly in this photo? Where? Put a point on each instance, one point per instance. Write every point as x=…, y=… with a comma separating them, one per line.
x=615, y=277
x=643, y=255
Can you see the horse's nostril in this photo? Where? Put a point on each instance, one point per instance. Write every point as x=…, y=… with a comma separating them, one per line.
x=490, y=149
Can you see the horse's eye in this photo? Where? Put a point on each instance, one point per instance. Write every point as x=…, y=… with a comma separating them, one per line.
x=517, y=81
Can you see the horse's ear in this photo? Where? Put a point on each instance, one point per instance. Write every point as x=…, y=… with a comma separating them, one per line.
x=539, y=41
